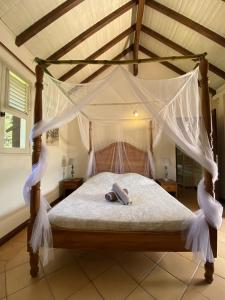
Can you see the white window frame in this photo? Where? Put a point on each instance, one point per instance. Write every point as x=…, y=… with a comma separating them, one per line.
x=13, y=111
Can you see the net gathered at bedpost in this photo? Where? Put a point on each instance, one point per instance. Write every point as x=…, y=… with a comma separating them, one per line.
x=173, y=105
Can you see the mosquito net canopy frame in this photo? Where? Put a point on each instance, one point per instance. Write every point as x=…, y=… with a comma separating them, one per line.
x=174, y=104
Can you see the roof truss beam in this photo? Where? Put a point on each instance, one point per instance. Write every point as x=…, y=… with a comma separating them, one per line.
x=140, y=12
x=98, y=52
x=179, y=48
x=46, y=20
x=169, y=65
x=90, y=31
x=105, y=67
x=187, y=22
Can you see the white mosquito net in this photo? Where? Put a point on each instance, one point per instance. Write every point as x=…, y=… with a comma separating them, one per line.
x=116, y=135
x=173, y=105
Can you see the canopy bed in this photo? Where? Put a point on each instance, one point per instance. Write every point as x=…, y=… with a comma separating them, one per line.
x=155, y=221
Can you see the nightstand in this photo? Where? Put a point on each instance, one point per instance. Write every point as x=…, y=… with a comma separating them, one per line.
x=170, y=186
x=69, y=185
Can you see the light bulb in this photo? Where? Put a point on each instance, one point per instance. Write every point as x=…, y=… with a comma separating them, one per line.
x=135, y=113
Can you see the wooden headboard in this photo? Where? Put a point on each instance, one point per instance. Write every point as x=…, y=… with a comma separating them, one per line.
x=134, y=159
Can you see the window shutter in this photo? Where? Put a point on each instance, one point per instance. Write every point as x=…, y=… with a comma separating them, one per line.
x=18, y=93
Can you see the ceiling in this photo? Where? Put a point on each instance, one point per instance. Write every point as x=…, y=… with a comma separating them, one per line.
x=199, y=27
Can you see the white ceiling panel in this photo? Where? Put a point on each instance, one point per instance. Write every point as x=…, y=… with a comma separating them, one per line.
x=90, y=69
x=96, y=41
x=209, y=13
x=184, y=36
x=186, y=65
x=22, y=14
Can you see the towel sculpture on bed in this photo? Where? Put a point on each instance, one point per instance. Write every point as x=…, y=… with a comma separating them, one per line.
x=118, y=194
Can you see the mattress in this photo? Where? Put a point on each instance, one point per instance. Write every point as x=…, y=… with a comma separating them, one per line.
x=152, y=209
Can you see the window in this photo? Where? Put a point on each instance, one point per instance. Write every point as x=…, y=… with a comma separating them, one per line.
x=16, y=118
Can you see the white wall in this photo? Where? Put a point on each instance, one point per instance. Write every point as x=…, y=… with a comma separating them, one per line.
x=218, y=103
x=15, y=168
x=76, y=150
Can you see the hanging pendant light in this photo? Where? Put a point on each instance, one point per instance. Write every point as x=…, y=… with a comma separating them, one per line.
x=135, y=113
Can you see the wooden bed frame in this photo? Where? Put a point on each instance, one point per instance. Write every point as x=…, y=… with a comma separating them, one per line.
x=136, y=241
x=134, y=160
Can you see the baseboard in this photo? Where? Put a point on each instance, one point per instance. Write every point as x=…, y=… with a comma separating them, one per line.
x=12, y=233
x=23, y=225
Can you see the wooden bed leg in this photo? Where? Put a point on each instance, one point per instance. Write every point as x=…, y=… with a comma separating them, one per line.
x=209, y=270
x=34, y=259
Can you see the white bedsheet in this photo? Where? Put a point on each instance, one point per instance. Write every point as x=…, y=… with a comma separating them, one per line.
x=152, y=207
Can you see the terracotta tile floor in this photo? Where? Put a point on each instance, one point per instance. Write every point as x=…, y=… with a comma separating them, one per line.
x=86, y=275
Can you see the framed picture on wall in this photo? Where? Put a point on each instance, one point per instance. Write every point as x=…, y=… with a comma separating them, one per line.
x=52, y=137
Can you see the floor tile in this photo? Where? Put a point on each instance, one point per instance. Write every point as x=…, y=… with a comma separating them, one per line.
x=178, y=266
x=221, y=236
x=20, y=258
x=10, y=249
x=222, y=228
x=220, y=266
x=139, y=294
x=89, y=292
x=2, y=286
x=2, y=266
x=67, y=281
x=163, y=286
x=137, y=265
x=187, y=255
x=155, y=256
x=36, y=291
x=61, y=258
x=193, y=295
x=20, y=237
x=117, y=255
x=19, y=277
x=76, y=252
x=115, y=284
x=213, y=291
x=95, y=263
x=221, y=249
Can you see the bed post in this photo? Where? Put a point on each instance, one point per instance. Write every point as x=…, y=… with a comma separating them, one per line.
x=35, y=190
x=90, y=137
x=150, y=136
x=150, y=146
x=206, y=113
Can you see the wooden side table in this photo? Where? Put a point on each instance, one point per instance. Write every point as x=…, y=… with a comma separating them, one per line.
x=69, y=185
x=170, y=186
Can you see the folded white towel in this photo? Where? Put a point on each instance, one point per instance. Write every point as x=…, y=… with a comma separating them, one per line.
x=121, y=194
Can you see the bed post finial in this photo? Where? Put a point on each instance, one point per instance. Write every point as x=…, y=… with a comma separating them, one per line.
x=35, y=190
x=206, y=113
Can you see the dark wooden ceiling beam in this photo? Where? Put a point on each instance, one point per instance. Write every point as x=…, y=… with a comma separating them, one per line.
x=90, y=31
x=140, y=12
x=179, y=48
x=187, y=22
x=105, y=67
x=169, y=65
x=46, y=20
x=98, y=52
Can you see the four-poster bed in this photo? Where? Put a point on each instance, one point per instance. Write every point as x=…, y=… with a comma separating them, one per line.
x=121, y=240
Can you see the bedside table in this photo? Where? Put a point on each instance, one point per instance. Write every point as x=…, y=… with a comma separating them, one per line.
x=170, y=186
x=69, y=185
